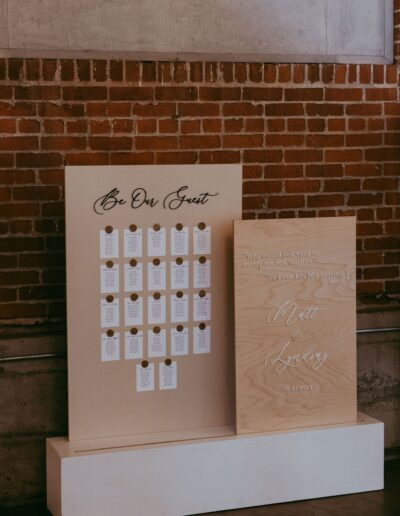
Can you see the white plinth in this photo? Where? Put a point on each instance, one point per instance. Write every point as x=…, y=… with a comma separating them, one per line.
x=191, y=477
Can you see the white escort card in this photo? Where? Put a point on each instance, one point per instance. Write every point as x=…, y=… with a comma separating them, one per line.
x=179, y=240
x=133, y=344
x=133, y=310
x=133, y=276
x=133, y=242
x=109, y=277
x=156, y=275
x=202, y=306
x=157, y=345
x=168, y=375
x=109, y=311
x=201, y=339
x=156, y=241
x=179, y=307
x=202, y=273
x=109, y=243
x=202, y=239
x=179, y=273
x=156, y=309
x=179, y=340
x=109, y=346
x=145, y=376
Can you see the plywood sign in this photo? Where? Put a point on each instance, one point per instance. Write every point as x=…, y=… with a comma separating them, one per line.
x=295, y=314
x=150, y=311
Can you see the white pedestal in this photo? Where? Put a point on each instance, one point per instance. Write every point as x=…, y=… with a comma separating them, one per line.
x=191, y=477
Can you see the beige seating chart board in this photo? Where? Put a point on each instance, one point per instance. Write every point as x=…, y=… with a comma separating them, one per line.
x=150, y=302
x=295, y=316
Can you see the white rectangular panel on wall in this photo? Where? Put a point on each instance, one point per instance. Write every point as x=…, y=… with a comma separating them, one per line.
x=270, y=30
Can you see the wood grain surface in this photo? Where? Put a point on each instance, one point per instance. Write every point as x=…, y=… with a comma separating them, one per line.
x=295, y=317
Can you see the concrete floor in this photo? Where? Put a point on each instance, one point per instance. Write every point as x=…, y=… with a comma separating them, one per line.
x=376, y=503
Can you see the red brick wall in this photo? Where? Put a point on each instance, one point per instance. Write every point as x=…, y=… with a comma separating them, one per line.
x=315, y=140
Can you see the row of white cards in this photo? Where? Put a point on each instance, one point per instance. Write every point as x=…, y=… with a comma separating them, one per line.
x=156, y=275
x=156, y=343
x=167, y=377
x=156, y=242
x=156, y=309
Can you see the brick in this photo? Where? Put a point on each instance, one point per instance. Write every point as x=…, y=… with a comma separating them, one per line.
x=49, y=177
x=392, y=286
x=19, y=278
x=260, y=187
x=384, y=213
x=340, y=73
x=391, y=139
x=296, y=125
x=6, y=160
x=8, y=261
x=99, y=70
x=392, y=228
x=284, y=140
x=262, y=156
x=45, y=226
x=391, y=74
x=227, y=70
x=156, y=142
x=122, y=126
x=5, y=194
x=364, y=287
x=324, y=109
x=219, y=156
x=175, y=93
x=336, y=124
x=132, y=71
x=364, y=199
x=67, y=69
x=196, y=72
x=147, y=125
x=2, y=69
x=211, y=71
x=32, y=67
x=391, y=258
x=211, y=125
x=168, y=126
x=41, y=292
x=241, y=140
x=170, y=158
x=382, y=154
x=46, y=160
x=315, y=125
x=103, y=143
x=302, y=186
x=356, y=124
x=362, y=170
x=49, y=69
x=364, y=109
x=6, y=92
x=276, y=125
x=47, y=109
x=77, y=126
x=301, y=156
x=325, y=200
x=325, y=140
x=365, y=73
x=17, y=176
x=84, y=93
x=313, y=72
x=343, y=94
x=180, y=72
x=380, y=272
x=363, y=140
x=255, y=202
x=392, y=198
x=262, y=94
x=381, y=94
x=283, y=171
x=376, y=124
x=83, y=69
x=242, y=109
x=284, y=72
x=46, y=259
x=252, y=171
x=286, y=201
x=17, y=109
x=122, y=93
x=284, y=109
x=341, y=185
x=328, y=73
x=15, y=244
x=116, y=70
x=63, y=143
x=298, y=73
x=343, y=155
x=313, y=94
x=381, y=183
x=190, y=126
x=18, y=143
x=199, y=142
x=270, y=73
x=369, y=258
x=36, y=193
x=198, y=109
x=217, y=93
x=8, y=294
x=149, y=71
x=54, y=276
x=22, y=310
x=118, y=109
x=15, y=69
x=37, y=92
x=378, y=74
x=28, y=126
x=87, y=158
x=256, y=72
x=132, y=158
x=8, y=125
